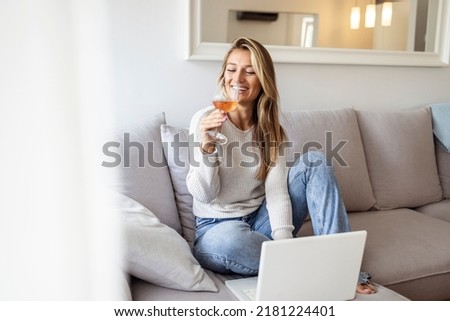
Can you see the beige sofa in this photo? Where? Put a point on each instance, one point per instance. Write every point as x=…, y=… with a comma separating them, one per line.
x=394, y=178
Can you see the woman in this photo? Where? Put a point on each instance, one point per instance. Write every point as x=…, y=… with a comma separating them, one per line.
x=243, y=192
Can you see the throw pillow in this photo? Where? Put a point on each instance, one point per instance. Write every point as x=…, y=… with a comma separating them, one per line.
x=443, y=164
x=142, y=172
x=441, y=124
x=175, y=144
x=155, y=252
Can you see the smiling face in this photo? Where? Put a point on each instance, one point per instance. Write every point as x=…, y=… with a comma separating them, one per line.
x=239, y=71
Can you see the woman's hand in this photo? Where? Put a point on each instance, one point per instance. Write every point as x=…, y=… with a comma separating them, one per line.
x=210, y=122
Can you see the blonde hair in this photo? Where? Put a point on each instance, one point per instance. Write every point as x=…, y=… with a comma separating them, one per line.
x=267, y=132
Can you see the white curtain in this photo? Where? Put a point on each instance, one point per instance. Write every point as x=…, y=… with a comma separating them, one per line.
x=57, y=238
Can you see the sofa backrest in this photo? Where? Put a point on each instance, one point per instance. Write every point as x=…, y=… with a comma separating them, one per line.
x=381, y=159
x=400, y=155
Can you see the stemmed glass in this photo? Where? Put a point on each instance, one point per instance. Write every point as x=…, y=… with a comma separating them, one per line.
x=221, y=100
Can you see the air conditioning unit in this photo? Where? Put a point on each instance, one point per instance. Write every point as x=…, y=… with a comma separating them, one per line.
x=257, y=16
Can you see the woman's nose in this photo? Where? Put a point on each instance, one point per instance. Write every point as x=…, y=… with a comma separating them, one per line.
x=237, y=77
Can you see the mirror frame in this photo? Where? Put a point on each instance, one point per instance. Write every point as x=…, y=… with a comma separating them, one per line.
x=209, y=51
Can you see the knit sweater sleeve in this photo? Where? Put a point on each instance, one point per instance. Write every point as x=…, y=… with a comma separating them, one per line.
x=202, y=180
x=278, y=201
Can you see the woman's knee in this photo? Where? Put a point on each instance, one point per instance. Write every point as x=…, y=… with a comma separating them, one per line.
x=314, y=159
x=313, y=164
x=310, y=161
x=230, y=246
x=225, y=237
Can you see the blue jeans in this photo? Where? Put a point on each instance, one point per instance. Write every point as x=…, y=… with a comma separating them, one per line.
x=234, y=245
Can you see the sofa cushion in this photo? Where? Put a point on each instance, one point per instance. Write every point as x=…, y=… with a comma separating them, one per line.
x=406, y=251
x=440, y=210
x=443, y=164
x=155, y=252
x=144, y=291
x=175, y=142
x=400, y=156
x=338, y=130
x=142, y=172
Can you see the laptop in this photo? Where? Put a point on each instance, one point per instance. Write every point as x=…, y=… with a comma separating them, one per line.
x=310, y=268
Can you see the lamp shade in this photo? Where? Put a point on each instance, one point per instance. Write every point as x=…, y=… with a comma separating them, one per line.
x=371, y=14
x=355, y=17
x=386, y=14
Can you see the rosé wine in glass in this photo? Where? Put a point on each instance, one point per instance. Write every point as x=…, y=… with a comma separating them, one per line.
x=222, y=101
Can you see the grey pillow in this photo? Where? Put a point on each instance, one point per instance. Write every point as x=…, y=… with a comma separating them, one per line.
x=142, y=173
x=155, y=252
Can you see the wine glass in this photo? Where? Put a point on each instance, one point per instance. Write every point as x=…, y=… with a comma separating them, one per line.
x=221, y=100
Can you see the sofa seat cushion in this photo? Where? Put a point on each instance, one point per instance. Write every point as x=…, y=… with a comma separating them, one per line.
x=336, y=132
x=399, y=148
x=406, y=251
x=142, y=172
x=144, y=291
x=440, y=210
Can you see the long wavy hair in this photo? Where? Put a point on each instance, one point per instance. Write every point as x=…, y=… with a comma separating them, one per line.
x=267, y=132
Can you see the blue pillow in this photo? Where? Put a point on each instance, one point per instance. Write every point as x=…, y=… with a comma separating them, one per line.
x=441, y=123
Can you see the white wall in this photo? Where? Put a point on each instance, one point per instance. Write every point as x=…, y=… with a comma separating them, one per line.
x=151, y=74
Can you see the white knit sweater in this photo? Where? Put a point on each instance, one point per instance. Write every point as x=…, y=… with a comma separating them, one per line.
x=226, y=187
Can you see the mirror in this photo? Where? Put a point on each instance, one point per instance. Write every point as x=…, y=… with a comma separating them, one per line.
x=412, y=33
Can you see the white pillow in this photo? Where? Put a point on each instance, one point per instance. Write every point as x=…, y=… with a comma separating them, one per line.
x=175, y=141
x=155, y=252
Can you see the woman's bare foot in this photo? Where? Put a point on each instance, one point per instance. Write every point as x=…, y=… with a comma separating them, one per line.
x=366, y=289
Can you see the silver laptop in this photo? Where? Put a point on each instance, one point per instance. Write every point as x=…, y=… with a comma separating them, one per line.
x=312, y=268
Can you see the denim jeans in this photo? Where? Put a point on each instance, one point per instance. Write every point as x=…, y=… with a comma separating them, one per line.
x=234, y=245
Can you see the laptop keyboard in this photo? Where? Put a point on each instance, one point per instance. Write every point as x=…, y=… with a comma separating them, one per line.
x=251, y=293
